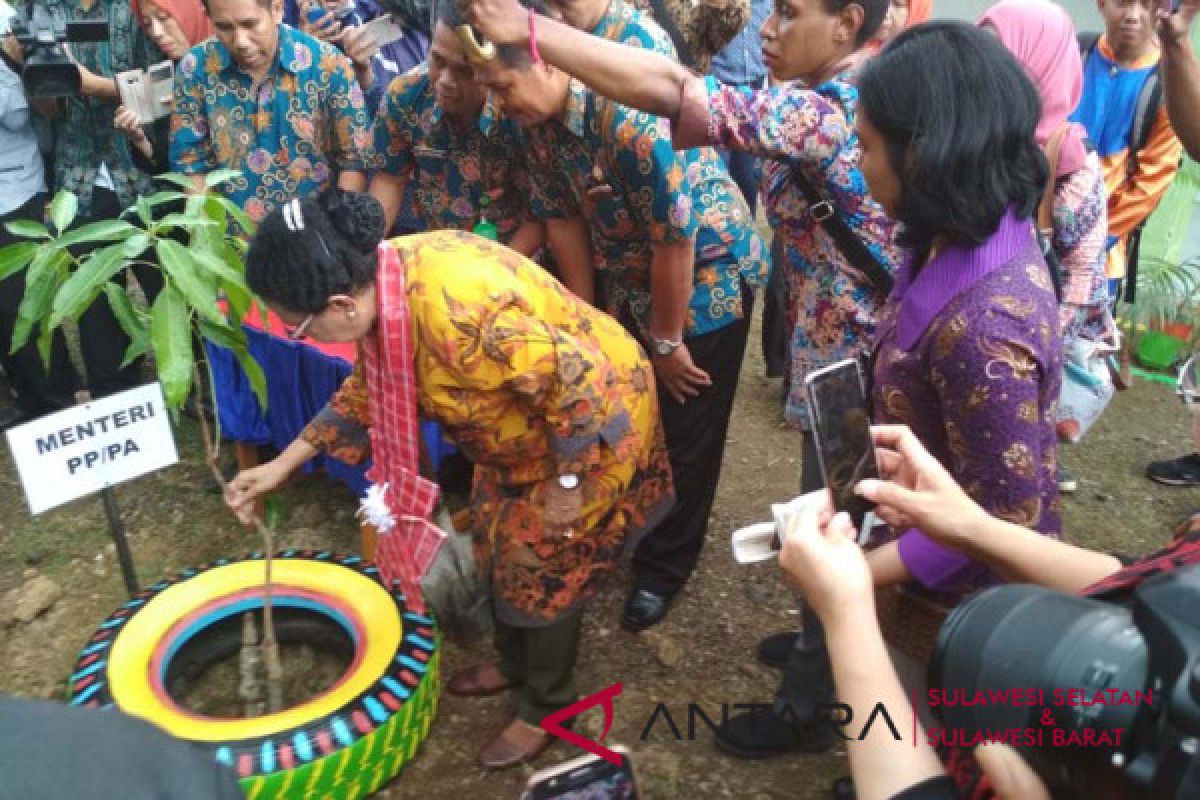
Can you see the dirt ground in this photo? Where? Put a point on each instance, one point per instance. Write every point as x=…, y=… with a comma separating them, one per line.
x=702, y=654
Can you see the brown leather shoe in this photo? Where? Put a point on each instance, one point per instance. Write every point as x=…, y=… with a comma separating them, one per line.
x=518, y=743
x=481, y=680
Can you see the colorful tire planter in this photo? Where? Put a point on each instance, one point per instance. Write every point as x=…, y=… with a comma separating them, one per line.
x=343, y=743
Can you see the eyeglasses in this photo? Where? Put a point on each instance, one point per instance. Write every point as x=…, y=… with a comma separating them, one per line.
x=298, y=331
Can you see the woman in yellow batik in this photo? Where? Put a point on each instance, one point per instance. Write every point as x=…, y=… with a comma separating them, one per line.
x=550, y=398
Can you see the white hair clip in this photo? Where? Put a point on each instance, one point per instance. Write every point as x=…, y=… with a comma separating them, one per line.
x=293, y=217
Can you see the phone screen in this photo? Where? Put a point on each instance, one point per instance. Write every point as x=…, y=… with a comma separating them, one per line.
x=842, y=427
x=596, y=780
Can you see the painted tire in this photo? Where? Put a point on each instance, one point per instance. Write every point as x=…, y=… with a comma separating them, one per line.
x=343, y=743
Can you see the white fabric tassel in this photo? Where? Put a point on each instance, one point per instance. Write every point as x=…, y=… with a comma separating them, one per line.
x=374, y=508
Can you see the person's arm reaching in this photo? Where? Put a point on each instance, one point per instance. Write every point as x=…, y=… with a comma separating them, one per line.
x=632, y=76
x=528, y=238
x=920, y=493
x=1181, y=74
x=569, y=241
x=819, y=554
x=339, y=429
x=350, y=129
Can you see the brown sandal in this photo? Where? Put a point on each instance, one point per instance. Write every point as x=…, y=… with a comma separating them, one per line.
x=518, y=743
x=471, y=682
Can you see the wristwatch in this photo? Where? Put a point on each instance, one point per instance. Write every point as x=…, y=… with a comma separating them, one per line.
x=664, y=347
x=570, y=481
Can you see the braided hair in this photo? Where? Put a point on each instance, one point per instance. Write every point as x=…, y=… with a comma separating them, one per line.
x=309, y=250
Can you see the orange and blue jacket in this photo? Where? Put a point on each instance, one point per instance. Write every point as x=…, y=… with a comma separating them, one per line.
x=1106, y=110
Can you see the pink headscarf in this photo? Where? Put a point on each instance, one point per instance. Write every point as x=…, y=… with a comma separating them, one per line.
x=190, y=14
x=1042, y=37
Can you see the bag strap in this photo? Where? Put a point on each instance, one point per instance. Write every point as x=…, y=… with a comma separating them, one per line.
x=1045, y=218
x=825, y=213
x=1149, y=103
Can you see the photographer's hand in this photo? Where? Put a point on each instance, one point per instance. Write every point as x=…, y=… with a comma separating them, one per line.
x=920, y=493
x=91, y=84
x=820, y=554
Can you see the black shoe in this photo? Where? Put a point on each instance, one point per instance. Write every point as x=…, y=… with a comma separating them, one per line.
x=1183, y=471
x=761, y=733
x=644, y=609
x=773, y=651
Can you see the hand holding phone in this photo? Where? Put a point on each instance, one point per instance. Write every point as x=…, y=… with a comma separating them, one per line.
x=837, y=402
x=585, y=778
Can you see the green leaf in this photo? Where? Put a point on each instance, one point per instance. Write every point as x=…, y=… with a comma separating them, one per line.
x=137, y=348
x=45, y=345
x=129, y=317
x=85, y=284
x=145, y=211
x=161, y=198
x=63, y=209
x=256, y=376
x=39, y=293
x=183, y=181
x=234, y=210
x=273, y=508
x=16, y=257
x=181, y=266
x=135, y=245
x=186, y=222
x=171, y=338
x=28, y=229
x=218, y=176
x=233, y=338
x=108, y=230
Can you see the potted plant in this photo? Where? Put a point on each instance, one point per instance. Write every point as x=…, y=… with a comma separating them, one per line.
x=1165, y=314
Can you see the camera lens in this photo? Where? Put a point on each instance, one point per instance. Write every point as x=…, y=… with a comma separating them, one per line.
x=1062, y=654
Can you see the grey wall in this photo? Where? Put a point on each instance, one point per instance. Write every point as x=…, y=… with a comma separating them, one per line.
x=1084, y=12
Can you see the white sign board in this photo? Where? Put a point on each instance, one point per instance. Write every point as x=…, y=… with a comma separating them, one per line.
x=86, y=448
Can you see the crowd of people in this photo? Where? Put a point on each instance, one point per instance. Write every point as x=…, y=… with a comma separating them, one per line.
x=554, y=254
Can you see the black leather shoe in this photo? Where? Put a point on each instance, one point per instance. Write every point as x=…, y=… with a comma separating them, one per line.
x=761, y=733
x=773, y=651
x=644, y=609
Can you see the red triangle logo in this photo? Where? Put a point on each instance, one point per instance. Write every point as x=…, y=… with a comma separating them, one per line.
x=552, y=723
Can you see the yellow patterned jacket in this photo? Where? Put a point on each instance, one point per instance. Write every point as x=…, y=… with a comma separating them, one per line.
x=531, y=383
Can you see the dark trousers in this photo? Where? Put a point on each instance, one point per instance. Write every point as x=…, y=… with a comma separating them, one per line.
x=38, y=389
x=542, y=661
x=807, y=676
x=776, y=336
x=103, y=340
x=695, y=433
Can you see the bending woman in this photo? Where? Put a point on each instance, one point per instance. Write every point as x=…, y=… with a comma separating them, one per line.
x=550, y=398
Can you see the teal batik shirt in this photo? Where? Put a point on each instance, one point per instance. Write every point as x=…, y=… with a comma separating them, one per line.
x=290, y=135
x=84, y=137
x=451, y=168
x=654, y=195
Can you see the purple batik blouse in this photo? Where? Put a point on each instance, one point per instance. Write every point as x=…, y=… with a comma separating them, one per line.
x=969, y=357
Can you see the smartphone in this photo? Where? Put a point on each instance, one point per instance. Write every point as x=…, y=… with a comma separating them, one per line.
x=383, y=30
x=837, y=402
x=586, y=778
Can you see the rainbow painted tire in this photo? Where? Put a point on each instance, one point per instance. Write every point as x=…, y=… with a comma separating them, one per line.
x=343, y=743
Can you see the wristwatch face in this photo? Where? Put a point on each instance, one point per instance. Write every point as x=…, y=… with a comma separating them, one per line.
x=568, y=482
x=663, y=348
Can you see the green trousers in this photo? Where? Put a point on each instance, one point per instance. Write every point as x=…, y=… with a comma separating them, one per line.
x=542, y=662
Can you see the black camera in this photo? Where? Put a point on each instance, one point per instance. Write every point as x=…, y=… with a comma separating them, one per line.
x=1077, y=684
x=49, y=71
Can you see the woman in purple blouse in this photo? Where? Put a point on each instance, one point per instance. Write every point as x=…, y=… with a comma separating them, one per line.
x=968, y=352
